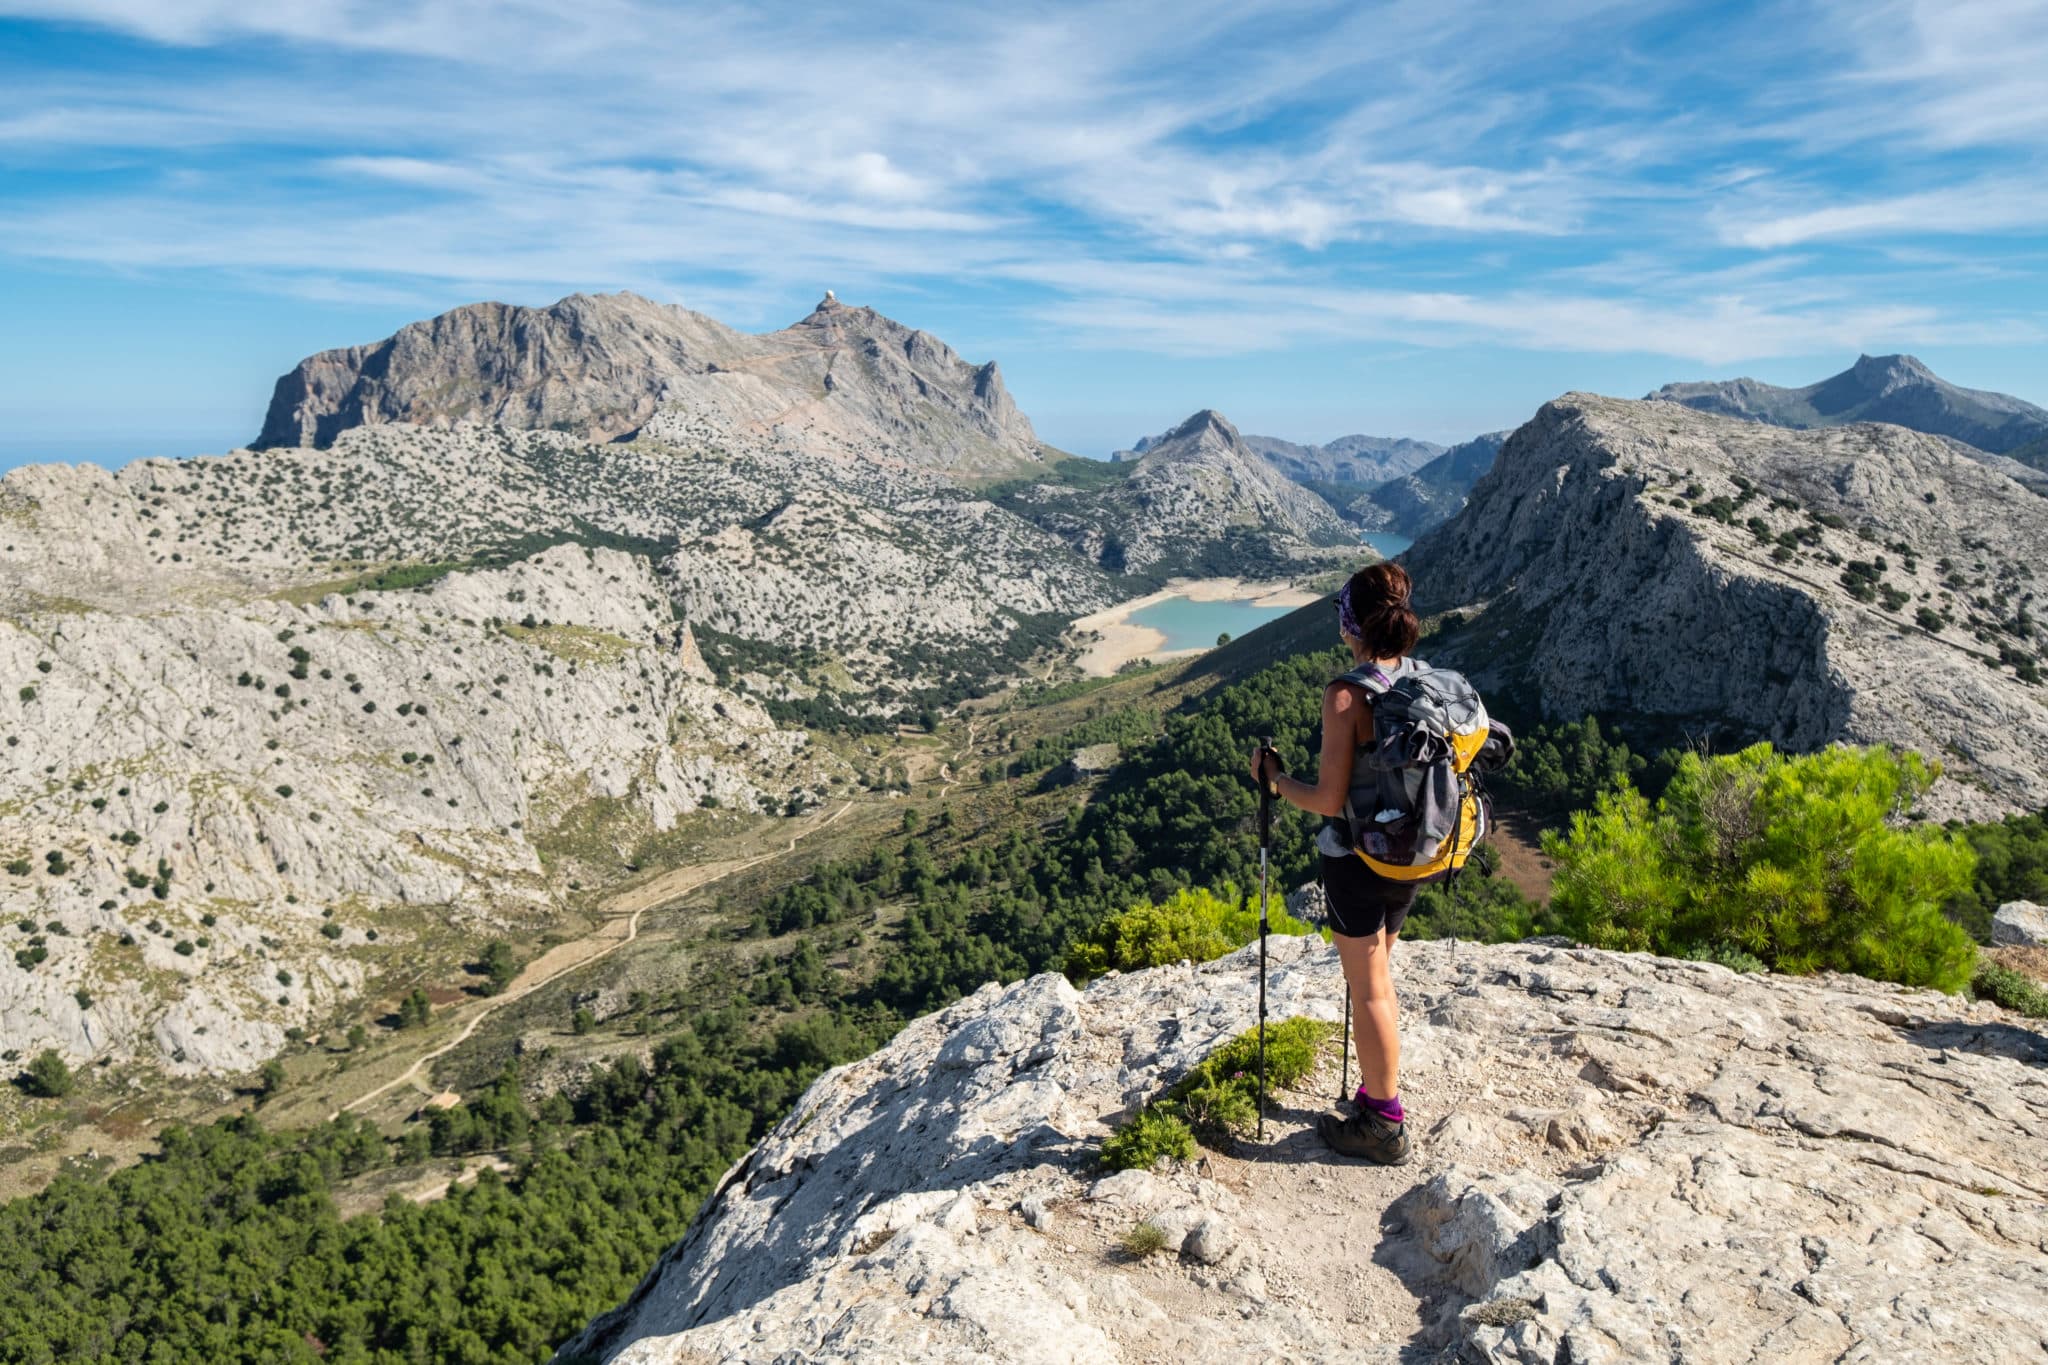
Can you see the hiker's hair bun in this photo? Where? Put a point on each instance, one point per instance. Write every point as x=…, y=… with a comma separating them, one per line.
x=1379, y=602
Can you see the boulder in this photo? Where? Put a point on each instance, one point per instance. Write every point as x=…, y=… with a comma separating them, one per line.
x=2020, y=923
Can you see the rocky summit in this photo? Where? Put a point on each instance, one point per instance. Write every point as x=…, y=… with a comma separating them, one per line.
x=1862, y=583
x=605, y=366
x=1618, y=1158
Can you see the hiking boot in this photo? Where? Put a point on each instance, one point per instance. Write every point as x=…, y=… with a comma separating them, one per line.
x=1368, y=1136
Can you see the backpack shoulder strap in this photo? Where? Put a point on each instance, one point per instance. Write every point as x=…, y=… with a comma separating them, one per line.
x=1369, y=676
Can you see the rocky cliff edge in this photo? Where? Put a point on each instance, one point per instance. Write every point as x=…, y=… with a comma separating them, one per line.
x=1620, y=1158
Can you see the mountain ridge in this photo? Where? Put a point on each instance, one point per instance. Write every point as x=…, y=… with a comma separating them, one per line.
x=1898, y=389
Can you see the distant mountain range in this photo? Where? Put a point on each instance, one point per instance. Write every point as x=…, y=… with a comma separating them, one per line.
x=1414, y=503
x=1893, y=388
x=1365, y=460
x=1396, y=484
x=1197, y=501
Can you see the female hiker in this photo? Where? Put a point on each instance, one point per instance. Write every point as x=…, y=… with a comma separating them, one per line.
x=1366, y=909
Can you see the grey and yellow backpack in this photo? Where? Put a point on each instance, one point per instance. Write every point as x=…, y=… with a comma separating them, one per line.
x=1416, y=808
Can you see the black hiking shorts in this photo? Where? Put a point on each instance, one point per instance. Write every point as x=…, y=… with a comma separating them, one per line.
x=1362, y=902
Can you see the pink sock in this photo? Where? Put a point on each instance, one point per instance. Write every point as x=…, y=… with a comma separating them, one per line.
x=1388, y=1109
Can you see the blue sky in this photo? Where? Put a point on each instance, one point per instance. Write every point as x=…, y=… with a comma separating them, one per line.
x=1418, y=219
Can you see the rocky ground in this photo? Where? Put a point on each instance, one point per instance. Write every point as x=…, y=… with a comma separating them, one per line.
x=1619, y=1158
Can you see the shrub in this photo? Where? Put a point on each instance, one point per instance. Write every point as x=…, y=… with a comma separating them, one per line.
x=415, y=1010
x=1734, y=959
x=499, y=966
x=1192, y=925
x=1803, y=862
x=47, y=1076
x=2010, y=990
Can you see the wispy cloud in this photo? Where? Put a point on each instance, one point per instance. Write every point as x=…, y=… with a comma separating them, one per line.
x=1181, y=177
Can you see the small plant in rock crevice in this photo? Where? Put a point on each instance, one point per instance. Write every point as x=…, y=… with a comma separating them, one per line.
x=1144, y=1239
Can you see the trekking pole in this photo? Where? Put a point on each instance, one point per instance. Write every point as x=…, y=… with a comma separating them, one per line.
x=1266, y=794
x=1344, y=1067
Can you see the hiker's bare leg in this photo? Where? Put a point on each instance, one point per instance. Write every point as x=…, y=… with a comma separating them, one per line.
x=1375, y=1017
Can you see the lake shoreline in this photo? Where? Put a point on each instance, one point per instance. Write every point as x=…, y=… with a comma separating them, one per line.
x=1123, y=641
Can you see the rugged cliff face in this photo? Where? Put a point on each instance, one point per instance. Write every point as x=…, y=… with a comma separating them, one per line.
x=1862, y=583
x=596, y=365
x=847, y=381
x=1619, y=1158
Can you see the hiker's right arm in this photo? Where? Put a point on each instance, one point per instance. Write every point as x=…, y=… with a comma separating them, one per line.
x=1325, y=796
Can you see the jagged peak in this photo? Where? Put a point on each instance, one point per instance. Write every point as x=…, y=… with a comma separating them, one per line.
x=1206, y=422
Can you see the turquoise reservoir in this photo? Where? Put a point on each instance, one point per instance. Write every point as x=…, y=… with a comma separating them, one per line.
x=1386, y=542
x=1195, y=625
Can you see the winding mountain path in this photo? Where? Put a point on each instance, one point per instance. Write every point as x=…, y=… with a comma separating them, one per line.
x=568, y=957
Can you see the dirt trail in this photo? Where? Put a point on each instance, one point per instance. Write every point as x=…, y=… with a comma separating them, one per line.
x=626, y=908
x=960, y=754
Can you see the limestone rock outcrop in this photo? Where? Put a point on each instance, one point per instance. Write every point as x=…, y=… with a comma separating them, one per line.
x=1619, y=1158
x=1862, y=583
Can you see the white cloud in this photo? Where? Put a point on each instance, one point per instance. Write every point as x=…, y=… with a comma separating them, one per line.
x=1182, y=176
x=1983, y=207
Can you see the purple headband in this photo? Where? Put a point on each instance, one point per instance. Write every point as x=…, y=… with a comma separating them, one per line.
x=1347, y=622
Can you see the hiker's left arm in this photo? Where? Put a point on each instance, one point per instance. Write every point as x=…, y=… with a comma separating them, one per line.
x=1325, y=796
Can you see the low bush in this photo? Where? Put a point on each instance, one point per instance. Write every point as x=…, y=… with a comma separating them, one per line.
x=1192, y=925
x=1152, y=1134
x=2010, y=990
